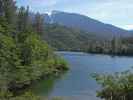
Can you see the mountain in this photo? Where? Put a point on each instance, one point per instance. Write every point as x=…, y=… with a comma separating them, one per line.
x=64, y=38
x=85, y=23
x=131, y=31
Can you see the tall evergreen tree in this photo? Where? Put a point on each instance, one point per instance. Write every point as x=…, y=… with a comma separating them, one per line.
x=1, y=8
x=10, y=11
x=24, y=22
x=39, y=23
x=20, y=22
x=8, y=17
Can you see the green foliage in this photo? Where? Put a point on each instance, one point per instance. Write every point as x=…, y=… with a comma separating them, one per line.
x=27, y=96
x=32, y=57
x=5, y=28
x=9, y=10
x=116, y=87
x=24, y=56
x=23, y=20
x=9, y=60
x=63, y=38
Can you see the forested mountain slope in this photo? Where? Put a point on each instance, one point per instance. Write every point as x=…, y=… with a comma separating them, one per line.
x=85, y=23
x=63, y=38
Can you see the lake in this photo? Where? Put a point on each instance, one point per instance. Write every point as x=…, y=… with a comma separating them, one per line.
x=77, y=84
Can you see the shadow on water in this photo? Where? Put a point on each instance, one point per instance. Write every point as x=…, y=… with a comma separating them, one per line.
x=45, y=86
x=76, y=83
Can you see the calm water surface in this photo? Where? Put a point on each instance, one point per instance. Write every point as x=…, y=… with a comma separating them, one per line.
x=77, y=84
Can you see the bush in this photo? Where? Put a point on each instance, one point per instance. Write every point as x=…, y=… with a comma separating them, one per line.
x=116, y=87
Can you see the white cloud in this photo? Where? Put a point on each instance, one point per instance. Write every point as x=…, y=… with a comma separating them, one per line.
x=128, y=27
x=116, y=12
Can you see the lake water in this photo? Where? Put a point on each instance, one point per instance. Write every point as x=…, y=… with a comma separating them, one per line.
x=77, y=84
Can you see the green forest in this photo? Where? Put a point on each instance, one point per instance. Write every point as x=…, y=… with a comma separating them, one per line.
x=27, y=54
x=70, y=39
x=24, y=55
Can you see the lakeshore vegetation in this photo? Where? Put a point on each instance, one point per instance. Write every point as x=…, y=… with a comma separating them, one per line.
x=24, y=55
x=115, y=87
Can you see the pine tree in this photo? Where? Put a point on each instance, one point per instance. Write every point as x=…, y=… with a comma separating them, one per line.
x=10, y=11
x=39, y=23
x=1, y=8
x=20, y=22
x=23, y=22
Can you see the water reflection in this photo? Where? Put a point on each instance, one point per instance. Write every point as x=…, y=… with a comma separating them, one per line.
x=76, y=83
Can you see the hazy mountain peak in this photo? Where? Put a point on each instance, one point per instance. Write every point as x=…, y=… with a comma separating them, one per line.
x=85, y=23
x=56, y=12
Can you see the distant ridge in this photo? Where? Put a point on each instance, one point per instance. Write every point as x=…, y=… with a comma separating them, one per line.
x=85, y=23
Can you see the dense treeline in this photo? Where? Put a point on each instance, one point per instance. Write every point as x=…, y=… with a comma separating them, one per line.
x=24, y=56
x=63, y=38
x=115, y=87
x=115, y=46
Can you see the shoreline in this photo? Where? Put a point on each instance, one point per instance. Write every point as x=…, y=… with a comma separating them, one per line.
x=109, y=54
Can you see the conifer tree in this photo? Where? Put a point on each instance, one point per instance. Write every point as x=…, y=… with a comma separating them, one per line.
x=39, y=23
x=10, y=11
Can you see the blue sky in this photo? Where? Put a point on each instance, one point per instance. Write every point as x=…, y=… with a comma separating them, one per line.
x=116, y=12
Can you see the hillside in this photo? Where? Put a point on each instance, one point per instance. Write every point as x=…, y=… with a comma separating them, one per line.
x=85, y=23
x=64, y=38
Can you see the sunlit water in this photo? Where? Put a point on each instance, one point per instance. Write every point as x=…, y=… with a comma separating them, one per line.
x=77, y=84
